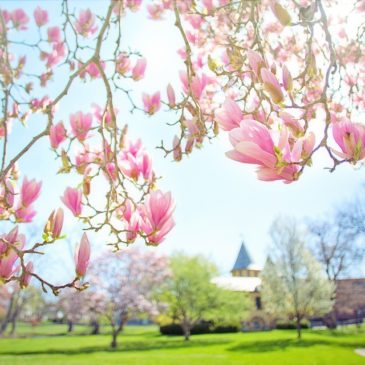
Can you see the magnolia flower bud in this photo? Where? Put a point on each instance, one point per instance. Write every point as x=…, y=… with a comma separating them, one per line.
x=82, y=256
x=281, y=14
x=25, y=279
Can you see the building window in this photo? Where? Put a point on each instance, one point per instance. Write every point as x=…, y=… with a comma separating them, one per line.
x=258, y=303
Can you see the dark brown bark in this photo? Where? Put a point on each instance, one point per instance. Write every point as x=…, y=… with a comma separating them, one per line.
x=299, y=329
x=116, y=329
x=186, y=329
x=70, y=326
x=95, y=327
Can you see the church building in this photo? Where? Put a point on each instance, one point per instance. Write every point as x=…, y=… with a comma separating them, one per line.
x=245, y=277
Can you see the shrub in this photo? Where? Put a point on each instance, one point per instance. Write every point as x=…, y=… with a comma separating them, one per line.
x=226, y=329
x=290, y=325
x=175, y=329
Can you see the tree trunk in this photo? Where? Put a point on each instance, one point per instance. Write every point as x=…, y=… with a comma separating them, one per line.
x=186, y=330
x=113, y=344
x=13, y=325
x=4, y=325
x=117, y=329
x=299, y=329
x=70, y=326
x=8, y=316
x=95, y=327
x=331, y=321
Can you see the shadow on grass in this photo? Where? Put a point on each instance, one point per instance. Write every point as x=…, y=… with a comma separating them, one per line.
x=283, y=344
x=123, y=347
x=145, y=334
x=339, y=332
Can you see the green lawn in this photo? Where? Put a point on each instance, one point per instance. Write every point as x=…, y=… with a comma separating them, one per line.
x=145, y=346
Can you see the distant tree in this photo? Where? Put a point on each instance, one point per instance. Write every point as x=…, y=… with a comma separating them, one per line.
x=129, y=281
x=192, y=297
x=293, y=285
x=16, y=303
x=337, y=243
x=73, y=305
x=35, y=306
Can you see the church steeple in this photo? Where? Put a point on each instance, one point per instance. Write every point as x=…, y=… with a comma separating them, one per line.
x=244, y=265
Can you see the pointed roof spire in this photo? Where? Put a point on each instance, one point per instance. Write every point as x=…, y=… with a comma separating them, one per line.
x=243, y=260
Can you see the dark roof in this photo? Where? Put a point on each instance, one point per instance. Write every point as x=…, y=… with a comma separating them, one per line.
x=243, y=259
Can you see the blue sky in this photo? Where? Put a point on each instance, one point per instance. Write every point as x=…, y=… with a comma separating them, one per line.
x=219, y=202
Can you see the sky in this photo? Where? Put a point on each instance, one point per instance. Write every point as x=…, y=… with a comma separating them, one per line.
x=219, y=202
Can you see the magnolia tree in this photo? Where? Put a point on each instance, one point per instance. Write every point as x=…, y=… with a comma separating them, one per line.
x=129, y=282
x=283, y=79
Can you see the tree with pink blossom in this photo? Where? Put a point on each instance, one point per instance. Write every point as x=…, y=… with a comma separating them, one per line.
x=129, y=282
x=283, y=80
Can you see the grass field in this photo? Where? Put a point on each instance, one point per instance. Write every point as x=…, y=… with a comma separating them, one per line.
x=49, y=345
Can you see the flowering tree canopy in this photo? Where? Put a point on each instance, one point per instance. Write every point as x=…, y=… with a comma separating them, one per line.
x=284, y=79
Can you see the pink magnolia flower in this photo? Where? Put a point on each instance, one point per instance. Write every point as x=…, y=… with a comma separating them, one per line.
x=292, y=123
x=103, y=115
x=156, y=216
x=19, y=19
x=134, y=162
x=8, y=239
x=7, y=264
x=27, y=275
x=134, y=5
x=8, y=260
x=139, y=69
x=55, y=223
x=171, y=95
x=30, y=192
x=126, y=210
x=25, y=214
x=230, y=115
x=92, y=70
x=72, y=198
x=80, y=125
x=54, y=57
x=83, y=158
x=6, y=15
x=37, y=104
x=360, y=6
x=57, y=134
x=152, y=103
x=132, y=219
x=254, y=144
x=308, y=145
x=54, y=35
x=287, y=79
x=208, y=5
x=155, y=11
x=255, y=61
x=350, y=137
x=198, y=84
x=40, y=16
x=177, y=149
x=133, y=227
x=123, y=63
x=189, y=145
x=82, y=256
x=85, y=23
x=111, y=170
x=195, y=20
x=272, y=86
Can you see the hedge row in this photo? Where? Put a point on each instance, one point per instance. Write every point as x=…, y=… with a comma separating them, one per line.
x=290, y=325
x=175, y=329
